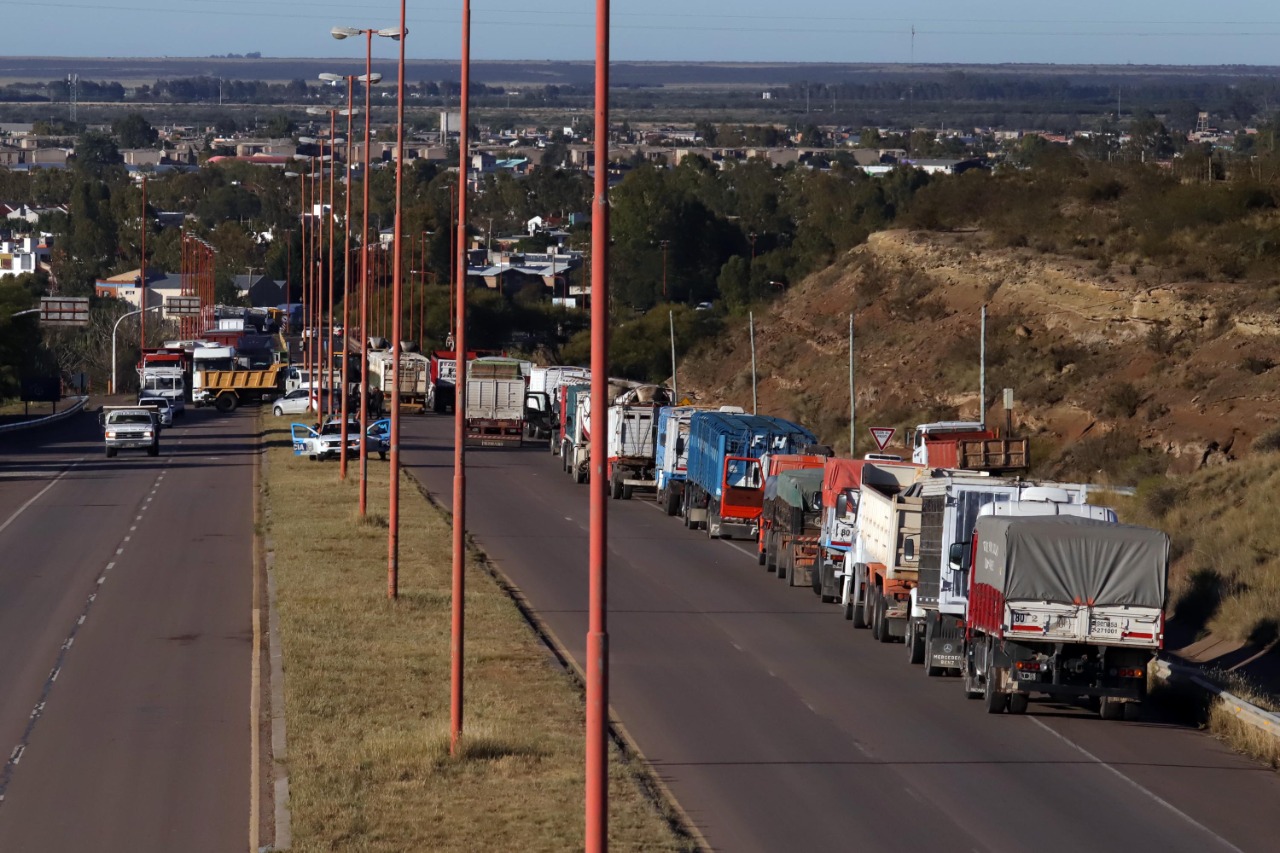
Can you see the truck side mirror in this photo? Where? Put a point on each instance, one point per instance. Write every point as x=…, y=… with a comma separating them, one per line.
x=958, y=556
x=909, y=550
x=842, y=505
x=679, y=445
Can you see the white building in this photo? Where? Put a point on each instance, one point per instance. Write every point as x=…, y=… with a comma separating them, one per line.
x=23, y=255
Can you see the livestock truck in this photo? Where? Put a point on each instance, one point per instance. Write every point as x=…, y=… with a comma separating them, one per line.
x=881, y=567
x=494, y=408
x=409, y=385
x=793, y=510
x=1062, y=606
x=724, y=487
x=951, y=502
x=774, y=464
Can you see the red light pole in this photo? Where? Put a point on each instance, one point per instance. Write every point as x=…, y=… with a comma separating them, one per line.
x=397, y=270
x=459, y=407
x=341, y=33
x=597, y=663
x=142, y=272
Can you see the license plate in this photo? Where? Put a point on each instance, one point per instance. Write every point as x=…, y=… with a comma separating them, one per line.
x=1105, y=626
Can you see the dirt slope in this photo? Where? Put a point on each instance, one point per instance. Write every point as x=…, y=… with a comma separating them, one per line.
x=1117, y=374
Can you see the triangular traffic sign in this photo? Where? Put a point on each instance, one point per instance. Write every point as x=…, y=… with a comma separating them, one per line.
x=882, y=435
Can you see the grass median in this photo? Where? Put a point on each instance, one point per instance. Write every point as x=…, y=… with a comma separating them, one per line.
x=367, y=688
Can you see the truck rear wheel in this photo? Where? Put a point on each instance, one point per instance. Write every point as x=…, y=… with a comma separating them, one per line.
x=1132, y=712
x=579, y=475
x=226, y=403
x=881, y=631
x=914, y=642
x=995, y=701
x=770, y=554
x=1018, y=703
x=860, y=610
x=759, y=555
x=670, y=502
x=615, y=488
x=1110, y=709
x=627, y=492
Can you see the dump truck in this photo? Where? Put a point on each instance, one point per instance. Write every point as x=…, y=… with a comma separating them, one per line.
x=882, y=567
x=227, y=389
x=495, y=403
x=969, y=446
x=1062, y=606
x=793, y=510
x=951, y=502
x=774, y=464
x=724, y=489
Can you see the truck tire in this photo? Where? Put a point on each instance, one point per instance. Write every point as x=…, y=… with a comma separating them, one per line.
x=615, y=488
x=627, y=492
x=881, y=632
x=1132, y=712
x=670, y=504
x=226, y=403
x=914, y=642
x=784, y=565
x=437, y=405
x=1018, y=703
x=823, y=577
x=929, y=669
x=770, y=554
x=760, y=555
x=995, y=701
x=1110, y=709
x=112, y=451
x=861, y=613
x=848, y=610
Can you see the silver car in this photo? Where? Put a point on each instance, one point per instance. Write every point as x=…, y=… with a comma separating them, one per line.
x=163, y=407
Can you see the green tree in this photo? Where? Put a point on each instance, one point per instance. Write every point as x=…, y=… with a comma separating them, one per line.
x=96, y=154
x=134, y=131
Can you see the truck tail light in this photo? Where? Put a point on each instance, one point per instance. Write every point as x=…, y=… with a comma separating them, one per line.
x=1131, y=672
x=1027, y=665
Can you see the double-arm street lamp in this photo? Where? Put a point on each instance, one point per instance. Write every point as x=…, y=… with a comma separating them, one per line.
x=343, y=33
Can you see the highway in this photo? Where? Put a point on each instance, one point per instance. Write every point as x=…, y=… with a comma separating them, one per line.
x=125, y=615
x=777, y=726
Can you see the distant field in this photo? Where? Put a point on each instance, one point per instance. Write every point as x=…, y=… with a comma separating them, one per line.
x=134, y=71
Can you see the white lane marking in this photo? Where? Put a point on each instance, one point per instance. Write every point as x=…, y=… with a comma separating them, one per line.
x=111, y=565
x=1150, y=794
x=738, y=547
x=127, y=538
x=11, y=519
x=119, y=551
x=735, y=645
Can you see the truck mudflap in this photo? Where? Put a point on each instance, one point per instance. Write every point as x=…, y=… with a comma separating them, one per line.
x=803, y=562
x=943, y=644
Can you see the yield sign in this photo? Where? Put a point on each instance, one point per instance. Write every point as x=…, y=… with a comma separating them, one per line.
x=882, y=435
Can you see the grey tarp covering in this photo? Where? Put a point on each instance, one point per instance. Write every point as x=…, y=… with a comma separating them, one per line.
x=1068, y=560
x=797, y=488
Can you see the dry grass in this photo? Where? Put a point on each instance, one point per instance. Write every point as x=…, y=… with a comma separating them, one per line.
x=1225, y=572
x=1243, y=737
x=367, y=690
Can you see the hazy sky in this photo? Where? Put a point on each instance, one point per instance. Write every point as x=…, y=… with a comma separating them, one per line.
x=1080, y=31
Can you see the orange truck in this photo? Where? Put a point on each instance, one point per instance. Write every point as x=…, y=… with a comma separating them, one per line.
x=774, y=465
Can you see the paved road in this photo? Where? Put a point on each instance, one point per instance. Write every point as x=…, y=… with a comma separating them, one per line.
x=125, y=616
x=778, y=727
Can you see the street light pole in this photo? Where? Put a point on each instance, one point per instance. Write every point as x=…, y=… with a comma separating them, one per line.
x=597, y=648
x=397, y=270
x=142, y=266
x=664, y=244
x=459, y=407
x=142, y=311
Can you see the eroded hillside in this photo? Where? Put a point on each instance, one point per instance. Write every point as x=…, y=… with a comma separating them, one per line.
x=1117, y=373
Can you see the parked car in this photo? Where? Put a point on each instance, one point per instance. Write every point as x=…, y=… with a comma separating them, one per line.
x=164, y=409
x=296, y=402
x=326, y=443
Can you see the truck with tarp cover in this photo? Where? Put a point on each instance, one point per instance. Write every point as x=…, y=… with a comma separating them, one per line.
x=793, y=509
x=774, y=464
x=724, y=488
x=1062, y=606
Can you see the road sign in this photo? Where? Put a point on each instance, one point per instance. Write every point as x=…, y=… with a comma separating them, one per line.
x=64, y=310
x=882, y=435
x=182, y=306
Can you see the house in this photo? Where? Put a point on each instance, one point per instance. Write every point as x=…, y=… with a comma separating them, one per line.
x=23, y=255
x=258, y=290
x=160, y=286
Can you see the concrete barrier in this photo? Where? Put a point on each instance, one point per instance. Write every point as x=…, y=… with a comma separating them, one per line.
x=50, y=419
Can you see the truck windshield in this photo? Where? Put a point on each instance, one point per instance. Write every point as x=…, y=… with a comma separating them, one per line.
x=130, y=418
x=163, y=383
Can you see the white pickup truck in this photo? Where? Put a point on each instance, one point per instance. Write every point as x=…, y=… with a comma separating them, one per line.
x=130, y=428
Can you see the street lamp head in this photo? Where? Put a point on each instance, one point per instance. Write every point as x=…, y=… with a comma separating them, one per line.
x=375, y=78
x=332, y=78
x=345, y=32
x=391, y=33
x=318, y=111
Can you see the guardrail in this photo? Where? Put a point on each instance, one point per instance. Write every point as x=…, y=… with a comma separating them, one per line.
x=49, y=419
x=1239, y=708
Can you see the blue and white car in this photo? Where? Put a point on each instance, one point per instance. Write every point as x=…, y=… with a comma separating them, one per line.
x=326, y=443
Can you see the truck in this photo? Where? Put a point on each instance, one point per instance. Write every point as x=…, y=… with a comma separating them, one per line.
x=792, y=509
x=951, y=502
x=412, y=386
x=163, y=373
x=882, y=565
x=130, y=428
x=572, y=399
x=724, y=487
x=495, y=403
x=442, y=375
x=1062, y=606
x=775, y=464
x=968, y=445
x=633, y=439
x=227, y=389
x=672, y=453
x=542, y=400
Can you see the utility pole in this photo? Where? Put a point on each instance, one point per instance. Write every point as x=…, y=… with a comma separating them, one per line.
x=853, y=400
x=751, y=319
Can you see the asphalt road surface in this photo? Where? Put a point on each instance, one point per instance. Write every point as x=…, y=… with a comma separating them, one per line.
x=125, y=620
x=779, y=727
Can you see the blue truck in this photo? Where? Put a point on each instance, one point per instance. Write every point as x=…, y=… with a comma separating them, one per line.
x=724, y=487
x=572, y=439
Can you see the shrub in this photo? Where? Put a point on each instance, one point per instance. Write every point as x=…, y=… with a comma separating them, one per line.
x=1123, y=400
x=1267, y=442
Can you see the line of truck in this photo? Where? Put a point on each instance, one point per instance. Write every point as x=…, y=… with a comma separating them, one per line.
x=1018, y=587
